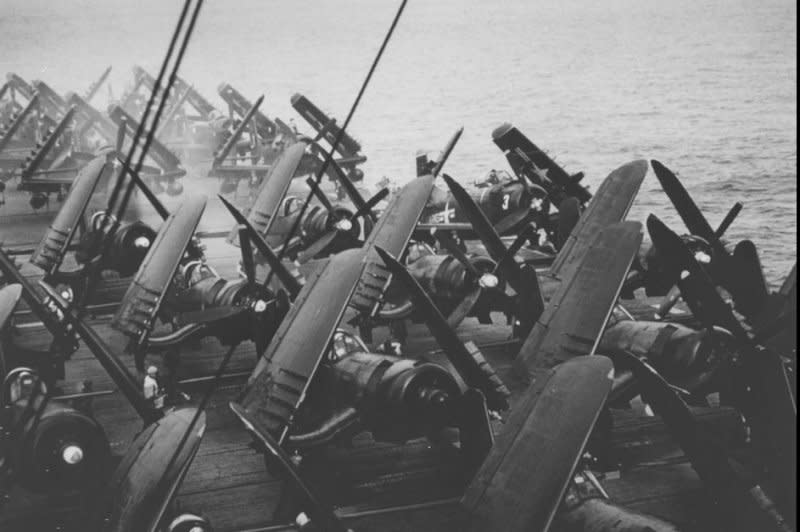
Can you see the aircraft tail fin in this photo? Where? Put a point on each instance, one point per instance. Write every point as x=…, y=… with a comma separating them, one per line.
x=16, y=121
x=35, y=160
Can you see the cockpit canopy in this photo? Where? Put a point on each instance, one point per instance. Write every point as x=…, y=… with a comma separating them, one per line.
x=343, y=344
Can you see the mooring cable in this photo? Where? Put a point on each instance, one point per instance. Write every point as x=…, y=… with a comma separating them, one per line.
x=326, y=162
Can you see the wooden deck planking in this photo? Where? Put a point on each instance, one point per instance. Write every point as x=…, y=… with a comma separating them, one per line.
x=229, y=483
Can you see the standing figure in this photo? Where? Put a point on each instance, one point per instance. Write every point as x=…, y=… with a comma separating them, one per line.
x=151, y=388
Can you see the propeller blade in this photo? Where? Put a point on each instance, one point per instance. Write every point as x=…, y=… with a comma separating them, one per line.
x=121, y=130
x=472, y=367
x=247, y=255
x=462, y=310
x=350, y=189
x=687, y=209
x=287, y=279
x=513, y=249
x=146, y=480
x=569, y=211
x=320, y=195
x=452, y=247
x=321, y=513
x=747, y=272
x=766, y=396
x=511, y=220
x=326, y=127
x=491, y=240
x=262, y=328
x=674, y=294
x=148, y=193
x=318, y=246
x=729, y=218
x=370, y=204
x=118, y=371
x=736, y=497
x=478, y=219
x=668, y=302
x=696, y=288
x=448, y=149
x=223, y=152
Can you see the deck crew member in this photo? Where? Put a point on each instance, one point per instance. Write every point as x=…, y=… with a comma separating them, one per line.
x=151, y=388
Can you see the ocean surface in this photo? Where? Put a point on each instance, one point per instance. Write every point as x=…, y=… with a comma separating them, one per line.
x=708, y=87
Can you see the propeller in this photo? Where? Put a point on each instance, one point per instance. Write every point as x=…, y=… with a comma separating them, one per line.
x=248, y=265
x=338, y=223
x=694, y=284
x=737, y=500
x=448, y=149
x=674, y=294
x=118, y=372
x=321, y=513
x=222, y=153
x=761, y=387
x=484, y=281
x=366, y=209
x=121, y=131
x=288, y=280
x=522, y=279
x=261, y=316
x=740, y=274
x=326, y=127
x=350, y=189
x=469, y=364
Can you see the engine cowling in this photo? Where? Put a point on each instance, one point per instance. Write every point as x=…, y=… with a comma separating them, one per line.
x=319, y=221
x=66, y=450
x=395, y=398
x=130, y=245
x=685, y=357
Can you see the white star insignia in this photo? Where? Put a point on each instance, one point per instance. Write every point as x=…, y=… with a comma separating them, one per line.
x=541, y=172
